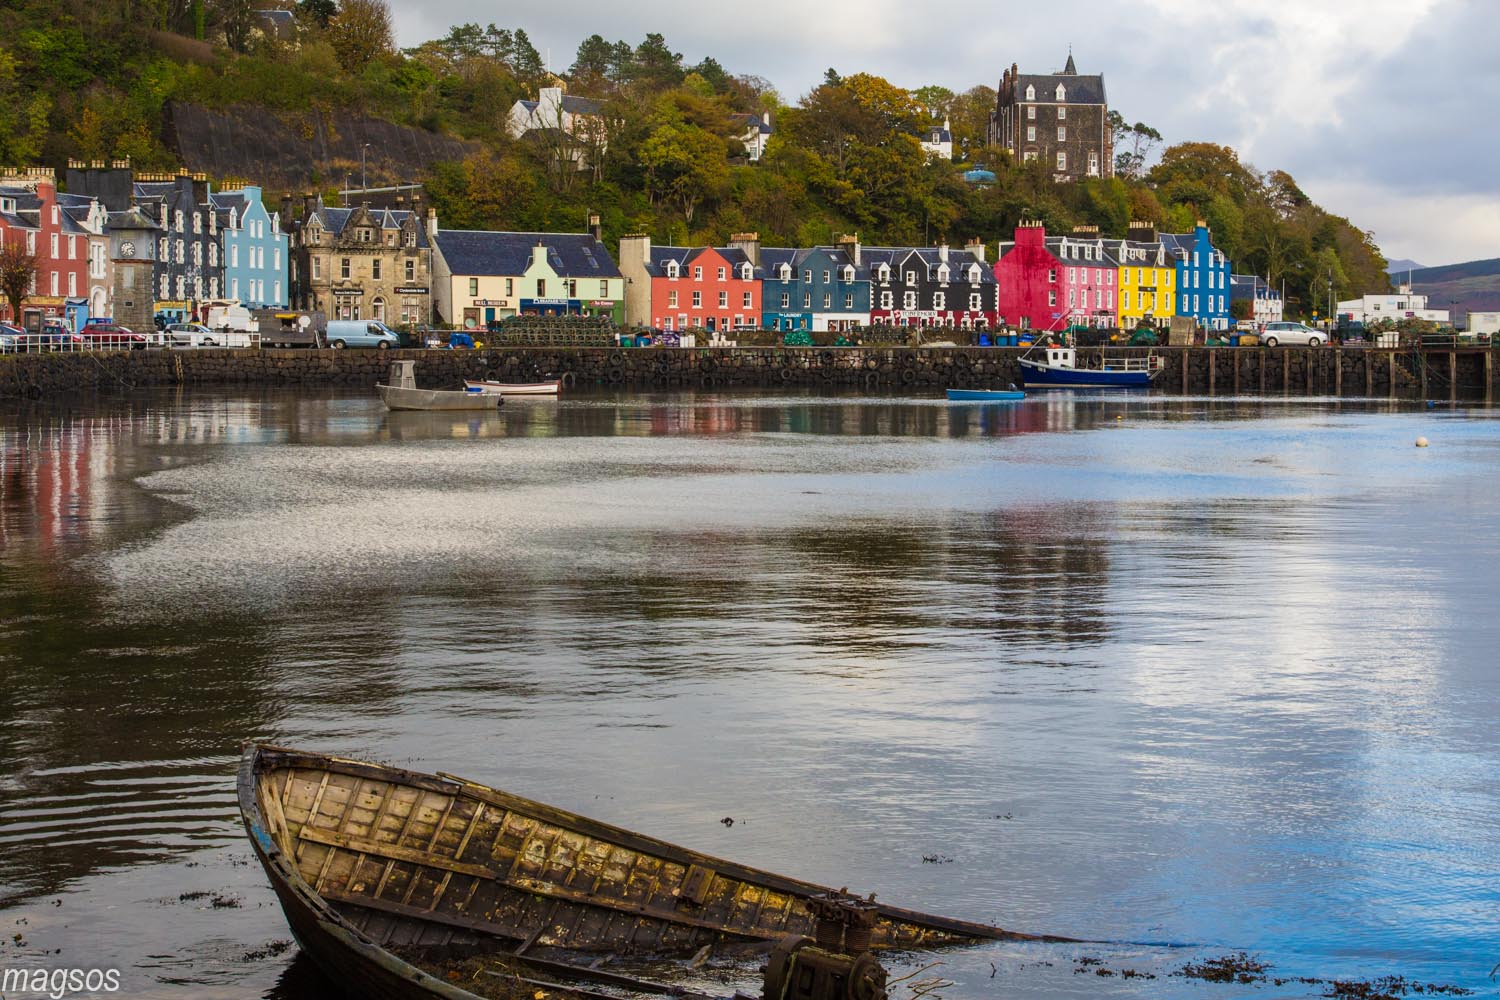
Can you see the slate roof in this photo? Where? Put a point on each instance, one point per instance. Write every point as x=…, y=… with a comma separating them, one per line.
x=937, y=134
x=335, y=219
x=959, y=262
x=1109, y=257
x=1152, y=250
x=477, y=252
x=1080, y=89
x=131, y=218
x=685, y=256
x=23, y=198
x=756, y=122
x=1250, y=286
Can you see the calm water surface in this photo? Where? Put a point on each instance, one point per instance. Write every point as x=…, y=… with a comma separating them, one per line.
x=1198, y=675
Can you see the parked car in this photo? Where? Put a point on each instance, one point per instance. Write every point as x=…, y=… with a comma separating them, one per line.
x=53, y=337
x=112, y=335
x=191, y=335
x=361, y=333
x=1292, y=333
x=9, y=337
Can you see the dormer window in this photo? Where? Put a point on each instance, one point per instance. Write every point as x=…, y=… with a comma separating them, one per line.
x=942, y=274
x=234, y=218
x=884, y=272
x=1030, y=93
x=1062, y=93
x=747, y=272
x=848, y=272
x=672, y=269
x=973, y=274
x=786, y=272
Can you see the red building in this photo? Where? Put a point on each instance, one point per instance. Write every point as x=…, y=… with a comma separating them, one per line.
x=1051, y=284
x=29, y=212
x=683, y=288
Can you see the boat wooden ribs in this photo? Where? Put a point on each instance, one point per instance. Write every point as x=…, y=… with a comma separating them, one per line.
x=407, y=859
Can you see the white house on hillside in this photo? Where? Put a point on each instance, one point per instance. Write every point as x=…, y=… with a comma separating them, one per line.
x=938, y=142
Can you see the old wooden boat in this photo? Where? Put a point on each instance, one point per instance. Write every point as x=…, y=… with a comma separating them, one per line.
x=985, y=395
x=516, y=388
x=368, y=860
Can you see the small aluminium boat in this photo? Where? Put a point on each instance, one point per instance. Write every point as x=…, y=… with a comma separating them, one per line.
x=1060, y=370
x=401, y=393
x=985, y=395
x=516, y=388
x=378, y=869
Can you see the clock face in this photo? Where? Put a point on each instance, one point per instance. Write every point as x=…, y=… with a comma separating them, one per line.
x=127, y=249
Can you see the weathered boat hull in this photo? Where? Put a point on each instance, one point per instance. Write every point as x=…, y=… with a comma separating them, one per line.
x=365, y=858
x=398, y=398
x=985, y=396
x=516, y=388
x=1037, y=375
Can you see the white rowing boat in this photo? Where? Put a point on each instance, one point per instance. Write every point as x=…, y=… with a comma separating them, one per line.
x=516, y=388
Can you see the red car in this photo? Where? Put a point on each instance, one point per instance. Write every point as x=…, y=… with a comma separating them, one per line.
x=113, y=335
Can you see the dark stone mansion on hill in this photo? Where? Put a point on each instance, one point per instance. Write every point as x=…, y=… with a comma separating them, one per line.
x=1061, y=119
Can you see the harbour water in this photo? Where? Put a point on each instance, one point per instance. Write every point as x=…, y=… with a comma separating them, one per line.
x=1191, y=676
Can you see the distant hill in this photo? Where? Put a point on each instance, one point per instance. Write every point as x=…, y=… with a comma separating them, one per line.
x=1464, y=288
x=1396, y=267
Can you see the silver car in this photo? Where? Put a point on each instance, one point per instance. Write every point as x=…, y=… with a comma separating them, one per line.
x=191, y=335
x=1292, y=333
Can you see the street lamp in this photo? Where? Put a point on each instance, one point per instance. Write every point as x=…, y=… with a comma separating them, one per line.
x=1330, y=300
x=363, y=184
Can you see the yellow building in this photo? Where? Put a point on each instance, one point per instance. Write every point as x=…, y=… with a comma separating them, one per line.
x=1148, y=279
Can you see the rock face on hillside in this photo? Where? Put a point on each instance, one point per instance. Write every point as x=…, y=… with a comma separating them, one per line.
x=300, y=150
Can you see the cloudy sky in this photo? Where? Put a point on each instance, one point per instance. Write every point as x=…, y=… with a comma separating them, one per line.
x=1383, y=110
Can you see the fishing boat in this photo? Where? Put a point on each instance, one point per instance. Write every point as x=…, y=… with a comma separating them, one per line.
x=1059, y=369
x=516, y=388
x=401, y=393
x=985, y=395
x=370, y=862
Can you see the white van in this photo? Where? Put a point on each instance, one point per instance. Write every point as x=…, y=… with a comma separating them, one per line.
x=360, y=333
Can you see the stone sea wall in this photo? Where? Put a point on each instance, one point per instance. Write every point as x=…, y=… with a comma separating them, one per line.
x=1188, y=371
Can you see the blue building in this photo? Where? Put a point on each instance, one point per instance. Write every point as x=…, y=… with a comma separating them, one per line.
x=256, y=252
x=817, y=288
x=1203, y=289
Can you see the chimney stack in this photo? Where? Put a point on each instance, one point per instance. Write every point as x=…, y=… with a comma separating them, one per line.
x=976, y=247
x=309, y=206
x=943, y=253
x=1142, y=232
x=850, y=245
x=596, y=230
x=749, y=243
x=432, y=225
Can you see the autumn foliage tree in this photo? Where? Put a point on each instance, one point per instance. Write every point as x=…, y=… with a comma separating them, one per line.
x=17, y=273
x=361, y=32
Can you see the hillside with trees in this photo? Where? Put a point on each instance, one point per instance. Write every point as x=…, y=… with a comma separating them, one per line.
x=95, y=79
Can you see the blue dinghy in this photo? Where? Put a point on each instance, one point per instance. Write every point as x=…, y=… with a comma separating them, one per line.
x=985, y=395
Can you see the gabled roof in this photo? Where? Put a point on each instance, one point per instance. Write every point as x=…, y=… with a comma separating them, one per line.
x=131, y=218
x=686, y=256
x=1077, y=89
x=1104, y=252
x=937, y=134
x=572, y=255
x=336, y=220
x=755, y=122
x=12, y=221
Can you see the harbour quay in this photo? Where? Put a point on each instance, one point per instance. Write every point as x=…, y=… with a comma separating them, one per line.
x=1415, y=372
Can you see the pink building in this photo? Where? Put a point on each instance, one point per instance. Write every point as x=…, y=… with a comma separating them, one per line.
x=1053, y=283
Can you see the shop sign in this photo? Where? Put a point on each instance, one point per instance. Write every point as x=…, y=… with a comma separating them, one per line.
x=411, y=289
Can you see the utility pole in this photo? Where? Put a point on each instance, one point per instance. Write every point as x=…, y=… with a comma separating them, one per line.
x=363, y=184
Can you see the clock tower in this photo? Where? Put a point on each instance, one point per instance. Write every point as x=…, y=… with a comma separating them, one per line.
x=133, y=250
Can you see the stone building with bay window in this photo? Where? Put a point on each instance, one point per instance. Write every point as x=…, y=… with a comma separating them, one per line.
x=362, y=262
